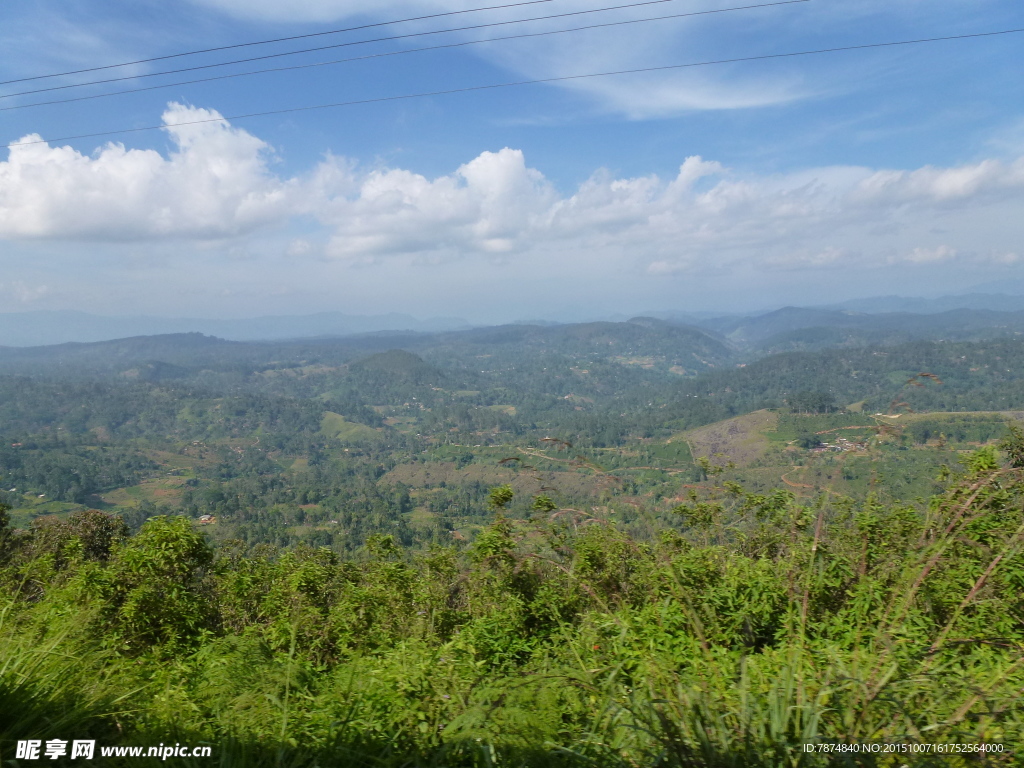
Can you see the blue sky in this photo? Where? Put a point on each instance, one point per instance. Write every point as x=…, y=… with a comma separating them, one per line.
x=740, y=186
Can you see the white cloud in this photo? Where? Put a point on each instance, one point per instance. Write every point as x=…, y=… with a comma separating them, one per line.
x=705, y=218
x=216, y=184
x=492, y=204
x=829, y=256
x=931, y=255
x=23, y=293
x=941, y=184
x=1001, y=258
x=300, y=248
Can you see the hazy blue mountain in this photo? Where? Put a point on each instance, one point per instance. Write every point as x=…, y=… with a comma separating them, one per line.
x=686, y=341
x=795, y=328
x=999, y=302
x=25, y=329
x=1016, y=287
x=747, y=331
x=643, y=343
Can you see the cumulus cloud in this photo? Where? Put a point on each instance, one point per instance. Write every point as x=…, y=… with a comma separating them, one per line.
x=217, y=183
x=705, y=217
x=490, y=205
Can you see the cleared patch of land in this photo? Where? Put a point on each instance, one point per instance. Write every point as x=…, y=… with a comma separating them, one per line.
x=508, y=410
x=22, y=517
x=740, y=440
x=164, y=490
x=334, y=425
x=646, y=362
x=435, y=473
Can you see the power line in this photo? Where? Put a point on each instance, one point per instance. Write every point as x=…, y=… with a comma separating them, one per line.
x=402, y=52
x=274, y=40
x=334, y=46
x=494, y=86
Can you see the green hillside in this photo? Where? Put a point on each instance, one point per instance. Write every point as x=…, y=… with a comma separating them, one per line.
x=333, y=425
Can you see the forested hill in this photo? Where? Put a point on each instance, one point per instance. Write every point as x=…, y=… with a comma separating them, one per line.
x=93, y=418
x=600, y=382
x=643, y=341
x=970, y=376
x=649, y=343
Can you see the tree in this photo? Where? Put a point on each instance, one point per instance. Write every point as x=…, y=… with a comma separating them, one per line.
x=543, y=504
x=1013, y=446
x=96, y=531
x=501, y=496
x=156, y=586
x=812, y=402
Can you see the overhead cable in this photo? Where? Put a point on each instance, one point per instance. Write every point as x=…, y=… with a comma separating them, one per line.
x=385, y=54
x=540, y=81
x=273, y=40
x=264, y=57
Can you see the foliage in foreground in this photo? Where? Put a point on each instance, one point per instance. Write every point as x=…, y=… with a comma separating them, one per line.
x=558, y=641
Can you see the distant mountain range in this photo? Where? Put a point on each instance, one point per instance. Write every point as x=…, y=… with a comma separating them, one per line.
x=999, y=302
x=878, y=320
x=649, y=346
x=599, y=352
x=27, y=329
x=796, y=328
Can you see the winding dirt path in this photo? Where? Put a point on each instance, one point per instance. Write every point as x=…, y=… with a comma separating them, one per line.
x=791, y=484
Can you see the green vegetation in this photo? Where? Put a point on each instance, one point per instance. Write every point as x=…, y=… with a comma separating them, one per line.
x=764, y=625
x=522, y=546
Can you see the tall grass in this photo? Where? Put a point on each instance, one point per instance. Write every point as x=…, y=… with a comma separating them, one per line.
x=52, y=683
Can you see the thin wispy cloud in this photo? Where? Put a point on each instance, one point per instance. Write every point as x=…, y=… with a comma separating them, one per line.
x=752, y=32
